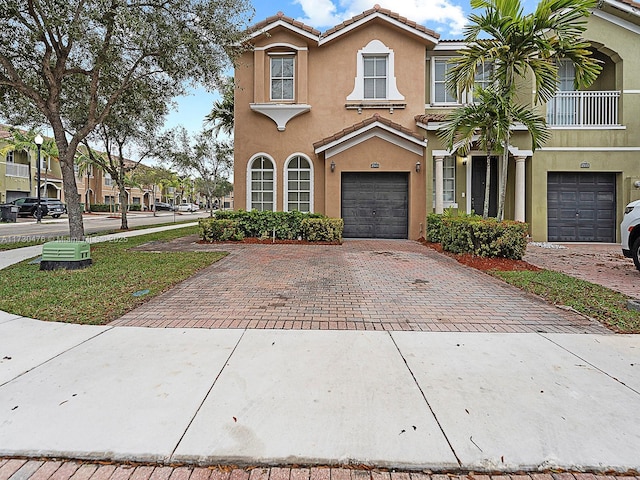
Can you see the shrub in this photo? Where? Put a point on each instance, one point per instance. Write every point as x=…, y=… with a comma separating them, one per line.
x=484, y=237
x=214, y=230
x=322, y=229
x=285, y=225
x=434, y=227
x=135, y=207
x=104, y=207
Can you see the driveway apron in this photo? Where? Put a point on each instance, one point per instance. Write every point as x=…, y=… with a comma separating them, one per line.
x=361, y=285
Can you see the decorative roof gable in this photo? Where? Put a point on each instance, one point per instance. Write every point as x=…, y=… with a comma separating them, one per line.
x=281, y=20
x=383, y=14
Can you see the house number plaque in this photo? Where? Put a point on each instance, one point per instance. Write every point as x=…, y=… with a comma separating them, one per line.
x=375, y=165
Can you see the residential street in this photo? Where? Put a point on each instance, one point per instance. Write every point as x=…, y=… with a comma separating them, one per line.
x=93, y=223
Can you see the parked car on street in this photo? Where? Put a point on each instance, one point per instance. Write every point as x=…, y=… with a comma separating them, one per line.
x=188, y=207
x=164, y=206
x=630, y=232
x=48, y=206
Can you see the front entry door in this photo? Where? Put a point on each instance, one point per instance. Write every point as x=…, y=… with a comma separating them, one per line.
x=478, y=185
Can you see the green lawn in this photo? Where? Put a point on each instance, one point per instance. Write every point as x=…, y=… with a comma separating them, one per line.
x=595, y=301
x=104, y=291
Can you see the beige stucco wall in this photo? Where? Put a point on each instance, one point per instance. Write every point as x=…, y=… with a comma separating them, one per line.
x=329, y=71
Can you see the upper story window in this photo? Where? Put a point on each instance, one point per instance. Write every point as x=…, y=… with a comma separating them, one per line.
x=439, y=93
x=375, y=74
x=9, y=157
x=108, y=181
x=375, y=77
x=282, y=77
x=566, y=76
x=484, y=77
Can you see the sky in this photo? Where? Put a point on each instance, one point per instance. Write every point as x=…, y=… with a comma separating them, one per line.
x=447, y=17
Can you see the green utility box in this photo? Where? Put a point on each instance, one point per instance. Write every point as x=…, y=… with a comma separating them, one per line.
x=71, y=255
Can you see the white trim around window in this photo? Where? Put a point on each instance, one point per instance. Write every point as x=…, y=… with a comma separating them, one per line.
x=298, y=184
x=263, y=200
x=377, y=49
x=282, y=75
x=439, y=67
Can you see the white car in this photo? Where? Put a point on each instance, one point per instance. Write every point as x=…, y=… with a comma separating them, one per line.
x=630, y=232
x=188, y=207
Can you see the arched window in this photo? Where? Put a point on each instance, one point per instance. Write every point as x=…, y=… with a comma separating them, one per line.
x=261, y=180
x=298, y=184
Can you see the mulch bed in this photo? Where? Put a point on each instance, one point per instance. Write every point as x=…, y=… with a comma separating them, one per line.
x=484, y=263
x=269, y=241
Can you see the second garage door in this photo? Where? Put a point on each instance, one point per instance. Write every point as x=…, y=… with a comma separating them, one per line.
x=375, y=205
x=581, y=207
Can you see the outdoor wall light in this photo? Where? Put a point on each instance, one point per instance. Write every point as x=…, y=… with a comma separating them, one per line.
x=418, y=166
x=333, y=166
x=636, y=184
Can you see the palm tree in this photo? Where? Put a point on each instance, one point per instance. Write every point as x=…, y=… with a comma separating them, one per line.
x=487, y=123
x=221, y=117
x=521, y=45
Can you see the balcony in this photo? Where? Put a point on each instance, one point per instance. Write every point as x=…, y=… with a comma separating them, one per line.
x=17, y=170
x=584, y=109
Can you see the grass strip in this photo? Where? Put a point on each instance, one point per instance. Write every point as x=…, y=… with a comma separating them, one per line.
x=104, y=291
x=595, y=301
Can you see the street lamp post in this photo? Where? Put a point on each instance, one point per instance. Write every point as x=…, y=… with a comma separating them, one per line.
x=38, y=141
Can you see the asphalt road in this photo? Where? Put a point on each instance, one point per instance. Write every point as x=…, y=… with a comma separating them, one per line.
x=26, y=229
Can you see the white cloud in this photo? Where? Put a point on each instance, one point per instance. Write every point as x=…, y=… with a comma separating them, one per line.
x=434, y=14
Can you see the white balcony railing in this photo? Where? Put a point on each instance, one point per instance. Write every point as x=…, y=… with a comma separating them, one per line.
x=583, y=109
x=17, y=170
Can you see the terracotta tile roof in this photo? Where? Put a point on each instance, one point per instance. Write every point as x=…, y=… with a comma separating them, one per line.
x=383, y=11
x=360, y=125
x=282, y=17
x=431, y=117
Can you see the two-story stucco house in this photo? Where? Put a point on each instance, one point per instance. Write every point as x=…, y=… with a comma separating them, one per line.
x=344, y=123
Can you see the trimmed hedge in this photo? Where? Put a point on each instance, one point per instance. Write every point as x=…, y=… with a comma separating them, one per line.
x=283, y=225
x=213, y=230
x=477, y=236
x=104, y=207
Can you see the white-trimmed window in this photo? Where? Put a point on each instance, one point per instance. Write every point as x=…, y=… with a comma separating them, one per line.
x=439, y=93
x=261, y=194
x=299, y=184
x=9, y=157
x=484, y=77
x=375, y=74
x=282, y=77
x=448, y=181
x=566, y=76
x=108, y=181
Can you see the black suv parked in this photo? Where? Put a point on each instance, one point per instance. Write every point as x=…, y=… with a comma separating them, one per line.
x=48, y=206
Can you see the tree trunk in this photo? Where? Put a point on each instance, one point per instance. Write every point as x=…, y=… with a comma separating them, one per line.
x=487, y=186
x=503, y=176
x=124, y=225
x=74, y=207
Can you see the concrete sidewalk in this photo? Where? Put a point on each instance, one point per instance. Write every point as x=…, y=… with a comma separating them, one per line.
x=440, y=401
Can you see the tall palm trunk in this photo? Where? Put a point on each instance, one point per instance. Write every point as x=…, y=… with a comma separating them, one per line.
x=487, y=186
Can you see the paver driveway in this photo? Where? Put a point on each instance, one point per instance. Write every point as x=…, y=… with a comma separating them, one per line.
x=360, y=285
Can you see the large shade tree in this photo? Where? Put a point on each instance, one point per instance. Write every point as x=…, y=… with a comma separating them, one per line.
x=67, y=63
x=486, y=123
x=519, y=45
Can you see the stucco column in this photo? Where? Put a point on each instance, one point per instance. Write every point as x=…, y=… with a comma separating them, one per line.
x=520, y=189
x=439, y=184
x=258, y=76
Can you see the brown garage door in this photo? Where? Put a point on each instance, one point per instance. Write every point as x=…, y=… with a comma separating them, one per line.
x=581, y=207
x=374, y=205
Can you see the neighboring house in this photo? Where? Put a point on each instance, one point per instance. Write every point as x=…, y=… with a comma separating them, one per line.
x=18, y=178
x=348, y=122
x=19, y=173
